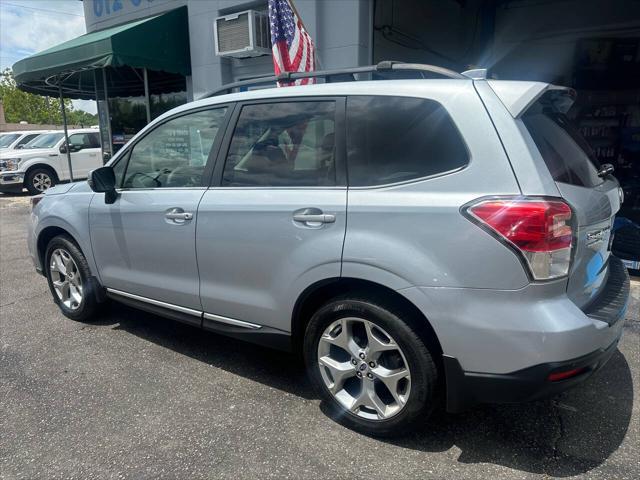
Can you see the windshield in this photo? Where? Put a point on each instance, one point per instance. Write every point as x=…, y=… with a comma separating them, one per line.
x=47, y=140
x=8, y=139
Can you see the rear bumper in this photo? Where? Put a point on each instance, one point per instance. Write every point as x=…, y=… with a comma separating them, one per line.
x=465, y=389
x=501, y=345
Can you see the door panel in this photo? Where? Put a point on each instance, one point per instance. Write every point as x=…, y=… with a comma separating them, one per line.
x=277, y=223
x=255, y=259
x=84, y=161
x=144, y=244
x=139, y=250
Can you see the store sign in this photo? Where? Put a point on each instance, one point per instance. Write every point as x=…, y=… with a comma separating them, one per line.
x=109, y=7
x=100, y=14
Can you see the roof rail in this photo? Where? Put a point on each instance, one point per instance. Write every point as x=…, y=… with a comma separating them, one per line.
x=476, y=73
x=340, y=75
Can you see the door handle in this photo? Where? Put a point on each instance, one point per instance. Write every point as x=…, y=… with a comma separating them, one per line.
x=313, y=215
x=318, y=218
x=178, y=214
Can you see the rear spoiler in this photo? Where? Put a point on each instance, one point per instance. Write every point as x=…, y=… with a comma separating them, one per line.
x=518, y=96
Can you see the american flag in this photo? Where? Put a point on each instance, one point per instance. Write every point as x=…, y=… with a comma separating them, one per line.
x=292, y=46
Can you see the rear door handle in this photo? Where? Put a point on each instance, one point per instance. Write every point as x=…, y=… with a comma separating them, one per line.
x=313, y=215
x=178, y=214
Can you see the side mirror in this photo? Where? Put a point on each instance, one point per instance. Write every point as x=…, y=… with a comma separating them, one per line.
x=19, y=147
x=103, y=180
x=63, y=148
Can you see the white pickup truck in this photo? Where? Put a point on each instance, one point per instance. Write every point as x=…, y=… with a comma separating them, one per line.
x=42, y=163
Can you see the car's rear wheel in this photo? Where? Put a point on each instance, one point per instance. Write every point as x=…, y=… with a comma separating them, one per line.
x=69, y=279
x=39, y=180
x=374, y=372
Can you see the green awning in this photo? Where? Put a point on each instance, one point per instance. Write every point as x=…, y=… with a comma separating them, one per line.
x=158, y=43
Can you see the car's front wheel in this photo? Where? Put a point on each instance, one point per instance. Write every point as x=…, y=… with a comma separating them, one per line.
x=39, y=180
x=374, y=372
x=69, y=276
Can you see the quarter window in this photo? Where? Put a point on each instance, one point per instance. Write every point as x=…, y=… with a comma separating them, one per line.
x=283, y=144
x=395, y=139
x=175, y=153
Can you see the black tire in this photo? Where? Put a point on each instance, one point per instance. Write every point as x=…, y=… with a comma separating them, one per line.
x=36, y=173
x=424, y=373
x=87, y=307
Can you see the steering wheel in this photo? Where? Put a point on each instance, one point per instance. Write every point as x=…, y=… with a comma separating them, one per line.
x=185, y=177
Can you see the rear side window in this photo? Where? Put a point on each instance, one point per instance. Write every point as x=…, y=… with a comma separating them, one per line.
x=563, y=148
x=395, y=139
x=289, y=144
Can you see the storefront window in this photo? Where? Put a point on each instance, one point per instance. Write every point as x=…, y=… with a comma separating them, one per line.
x=123, y=110
x=166, y=91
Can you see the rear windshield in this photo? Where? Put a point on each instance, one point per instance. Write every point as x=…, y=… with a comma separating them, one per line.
x=566, y=153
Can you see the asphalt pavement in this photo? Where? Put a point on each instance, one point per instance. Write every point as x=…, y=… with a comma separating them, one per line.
x=133, y=395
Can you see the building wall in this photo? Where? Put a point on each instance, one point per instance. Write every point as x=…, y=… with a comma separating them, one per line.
x=341, y=30
x=517, y=39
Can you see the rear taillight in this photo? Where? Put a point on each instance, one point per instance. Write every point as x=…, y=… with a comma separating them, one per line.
x=540, y=230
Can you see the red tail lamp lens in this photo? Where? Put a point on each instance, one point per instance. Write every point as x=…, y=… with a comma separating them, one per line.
x=557, y=376
x=539, y=229
x=533, y=226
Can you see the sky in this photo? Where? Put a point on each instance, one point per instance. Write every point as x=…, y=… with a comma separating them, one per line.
x=30, y=26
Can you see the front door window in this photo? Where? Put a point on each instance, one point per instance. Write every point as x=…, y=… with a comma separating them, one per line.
x=175, y=153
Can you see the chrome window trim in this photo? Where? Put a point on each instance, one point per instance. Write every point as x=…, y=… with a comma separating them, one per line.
x=334, y=187
x=157, y=303
x=231, y=321
x=413, y=180
x=158, y=188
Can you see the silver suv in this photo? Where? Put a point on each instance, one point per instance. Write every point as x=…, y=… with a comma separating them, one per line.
x=415, y=239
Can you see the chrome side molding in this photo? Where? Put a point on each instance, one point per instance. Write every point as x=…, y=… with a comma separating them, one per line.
x=157, y=303
x=231, y=321
x=189, y=311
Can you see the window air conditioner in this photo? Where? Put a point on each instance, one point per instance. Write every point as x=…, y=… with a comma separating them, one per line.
x=243, y=34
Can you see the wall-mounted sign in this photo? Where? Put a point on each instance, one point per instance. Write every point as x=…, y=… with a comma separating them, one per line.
x=99, y=14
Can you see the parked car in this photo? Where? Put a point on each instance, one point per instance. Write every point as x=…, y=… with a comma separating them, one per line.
x=414, y=239
x=43, y=161
x=17, y=140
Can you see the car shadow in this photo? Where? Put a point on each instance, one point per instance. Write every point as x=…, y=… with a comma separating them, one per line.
x=567, y=435
x=274, y=368
x=14, y=194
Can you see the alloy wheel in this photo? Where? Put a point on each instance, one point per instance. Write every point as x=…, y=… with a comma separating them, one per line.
x=364, y=369
x=41, y=181
x=66, y=279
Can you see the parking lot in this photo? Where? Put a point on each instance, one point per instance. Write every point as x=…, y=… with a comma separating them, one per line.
x=135, y=396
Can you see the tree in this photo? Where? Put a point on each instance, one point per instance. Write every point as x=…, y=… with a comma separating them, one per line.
x=36, y=109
